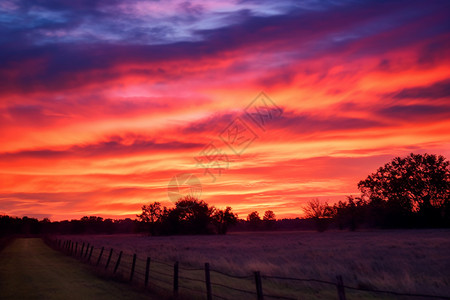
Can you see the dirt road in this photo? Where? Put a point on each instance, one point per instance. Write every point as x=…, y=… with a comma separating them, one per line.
x=29, y=269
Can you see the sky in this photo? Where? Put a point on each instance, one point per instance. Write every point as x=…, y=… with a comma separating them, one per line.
x=254, y=104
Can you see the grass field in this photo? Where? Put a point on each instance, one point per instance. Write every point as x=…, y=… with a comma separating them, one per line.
x=29, y=269
x=411, y=261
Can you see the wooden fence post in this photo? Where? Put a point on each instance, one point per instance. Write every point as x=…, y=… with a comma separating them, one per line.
x=340, y=288
x=100, y=256
x=118, y=262
x=90, y=253
x=82, y=250
x=175, y=280
x=147, y=271
x=133, y=265
x=87, y=250
x=259, y=290
x=71, y=247
x=109, y=258
x=208, y=282
x=76, y=248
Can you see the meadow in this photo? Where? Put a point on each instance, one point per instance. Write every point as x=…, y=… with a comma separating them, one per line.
x=410, y=261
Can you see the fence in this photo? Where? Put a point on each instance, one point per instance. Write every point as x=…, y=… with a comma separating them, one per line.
x=205, y=282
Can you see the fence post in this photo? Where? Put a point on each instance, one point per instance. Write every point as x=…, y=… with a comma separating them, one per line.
x=100, y=256
x=133, y=264
x=71, y=247
x=90, y=253
x=175, y=279
x=118, y=262
x=109, y=258
x=340, y=288
x=147, y=271
x=259, y=290
x=87, y=250
x=76, y=248
x=208, y=282
x=82, y=250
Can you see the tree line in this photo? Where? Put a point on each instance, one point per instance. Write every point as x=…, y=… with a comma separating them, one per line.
x=408, y=192
x=189, y=216
x=86, y=225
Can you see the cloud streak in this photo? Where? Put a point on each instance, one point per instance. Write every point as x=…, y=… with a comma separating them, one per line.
x=102, y=102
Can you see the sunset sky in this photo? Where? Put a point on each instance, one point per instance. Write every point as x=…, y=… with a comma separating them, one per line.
x=102, y=103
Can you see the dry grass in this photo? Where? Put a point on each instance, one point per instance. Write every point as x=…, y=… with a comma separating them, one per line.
x=412, y=261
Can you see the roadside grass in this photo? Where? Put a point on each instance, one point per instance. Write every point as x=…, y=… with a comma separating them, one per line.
x=29, y=269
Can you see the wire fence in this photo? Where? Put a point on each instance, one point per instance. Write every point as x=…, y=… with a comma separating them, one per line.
x=201, y=283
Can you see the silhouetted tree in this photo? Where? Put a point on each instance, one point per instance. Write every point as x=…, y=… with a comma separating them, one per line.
x=321, y=213
x=416, y=186
x=254, y=220
x=190, y=216
x=151, y=216
x=223, y=219
x=269, y=219
x=350, y=214
x=195, y=215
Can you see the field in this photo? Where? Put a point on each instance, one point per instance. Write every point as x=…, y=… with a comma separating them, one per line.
x=408, y=261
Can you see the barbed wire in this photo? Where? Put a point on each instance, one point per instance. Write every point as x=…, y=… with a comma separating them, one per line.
x=191, y=279
x=232, y=288
x=278, y=297
x=298, y=279
x=230, y=275
x=191, y=269
x=96, y=252
x=396, y=293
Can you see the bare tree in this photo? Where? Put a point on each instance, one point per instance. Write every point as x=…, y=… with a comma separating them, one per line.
x=321, y=213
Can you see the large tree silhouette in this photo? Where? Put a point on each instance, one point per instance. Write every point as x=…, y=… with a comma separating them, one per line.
x=418, y=185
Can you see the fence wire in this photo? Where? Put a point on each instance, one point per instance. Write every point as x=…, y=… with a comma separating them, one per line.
x=96, y=257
